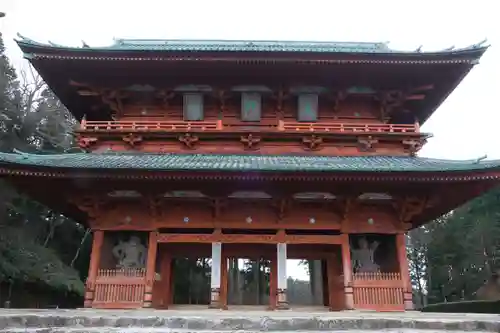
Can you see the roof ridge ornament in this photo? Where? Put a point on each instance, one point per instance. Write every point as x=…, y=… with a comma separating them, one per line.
x=480, y=44
x=479, y=159
x=17, y=151
x=54, y=44
x=26, y=39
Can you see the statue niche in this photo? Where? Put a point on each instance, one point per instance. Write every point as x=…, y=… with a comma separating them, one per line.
x=363, y=258
x=130, y=254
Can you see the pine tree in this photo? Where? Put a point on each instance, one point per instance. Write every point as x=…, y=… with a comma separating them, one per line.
x=38, y=247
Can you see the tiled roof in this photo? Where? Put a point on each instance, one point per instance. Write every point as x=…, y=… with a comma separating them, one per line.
x=216, y=162
x=179, y=45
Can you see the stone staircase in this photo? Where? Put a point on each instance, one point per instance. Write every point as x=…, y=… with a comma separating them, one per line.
x=214, y=321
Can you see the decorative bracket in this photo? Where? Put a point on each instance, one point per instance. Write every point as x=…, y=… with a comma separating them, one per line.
x=392, y=100
x=216, y=206
x=250, y=142
x=280, y=97
x=165, y=96
x=312, y=142
x=409, y=207
x=413, y=145
x=337, y=97
x=89, y=204
x=342, y=207
x=155, y=206
x=132, y=140
x=366, y=143
x=221, y=95
x=189, y=140
x=86, y=142
x=110, y=97
x=282, y=206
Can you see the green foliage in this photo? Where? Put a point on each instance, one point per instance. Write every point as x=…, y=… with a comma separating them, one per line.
x=191, y=281
x=22, y=260
x=465, y=307
x=453, y=256
x=38, y=247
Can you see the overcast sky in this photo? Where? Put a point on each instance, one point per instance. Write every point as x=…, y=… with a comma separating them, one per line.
x=466, y=126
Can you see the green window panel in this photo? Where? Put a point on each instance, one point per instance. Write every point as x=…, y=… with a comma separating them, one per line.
x=251, y=106
x=193, y=106
x=308, y=107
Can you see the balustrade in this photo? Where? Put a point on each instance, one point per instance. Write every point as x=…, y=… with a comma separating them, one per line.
x=378, y=291
x=218, y=125
x=119, y=288
x=340, y=127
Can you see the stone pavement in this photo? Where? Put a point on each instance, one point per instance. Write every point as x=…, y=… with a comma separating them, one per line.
x=215, y=321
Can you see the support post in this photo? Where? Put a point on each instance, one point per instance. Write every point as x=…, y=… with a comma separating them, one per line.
x=166, y=283
x=347, y=270
x=333, y=302
x=282, y=303
x=150, y=269
x=215, y=280
x=316, y=281
x=405, y=271
x=273, y=283
x=95, y=259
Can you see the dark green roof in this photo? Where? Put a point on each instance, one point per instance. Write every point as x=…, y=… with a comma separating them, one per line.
x=173, y=45
x=216, y=162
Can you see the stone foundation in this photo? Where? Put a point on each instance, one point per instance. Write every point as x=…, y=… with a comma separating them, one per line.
x=79, y=321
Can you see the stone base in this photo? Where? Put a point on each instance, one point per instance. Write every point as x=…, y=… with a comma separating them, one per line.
x=281, y=301
x=198, y=320
x=282, y=306
x=215, y=302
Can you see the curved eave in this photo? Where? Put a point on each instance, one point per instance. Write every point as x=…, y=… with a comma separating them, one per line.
x=46, y=60
x=490, y=174
x=42, y=51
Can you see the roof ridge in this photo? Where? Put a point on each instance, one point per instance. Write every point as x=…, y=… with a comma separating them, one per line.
x=233, y=45
x=241, y=163
x=475, y=161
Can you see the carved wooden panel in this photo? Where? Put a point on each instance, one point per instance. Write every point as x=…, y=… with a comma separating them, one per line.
x=186, y=214
x=372, y=219
x=320, y=215
x=125, y=215
x=247, y=214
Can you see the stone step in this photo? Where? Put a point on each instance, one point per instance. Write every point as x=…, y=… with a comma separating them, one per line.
x=163, y=330
x=173, y=321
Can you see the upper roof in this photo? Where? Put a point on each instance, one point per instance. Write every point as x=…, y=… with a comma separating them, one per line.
x=193, y=45
x=244, y=163
x=164, y=63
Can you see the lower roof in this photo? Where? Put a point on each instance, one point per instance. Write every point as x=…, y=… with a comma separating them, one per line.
x=252, y=163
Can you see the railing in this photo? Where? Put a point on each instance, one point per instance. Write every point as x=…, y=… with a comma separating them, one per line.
x=150, y=125
x=119, y=288
x=347, y=127
x=378, y=291
x=218, y=125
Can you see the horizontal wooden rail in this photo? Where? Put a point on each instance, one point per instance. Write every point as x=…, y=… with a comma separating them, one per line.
x=253, y=239
x=122, y=272
x=150, y=125
x=334, y=127
x=218, y=125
